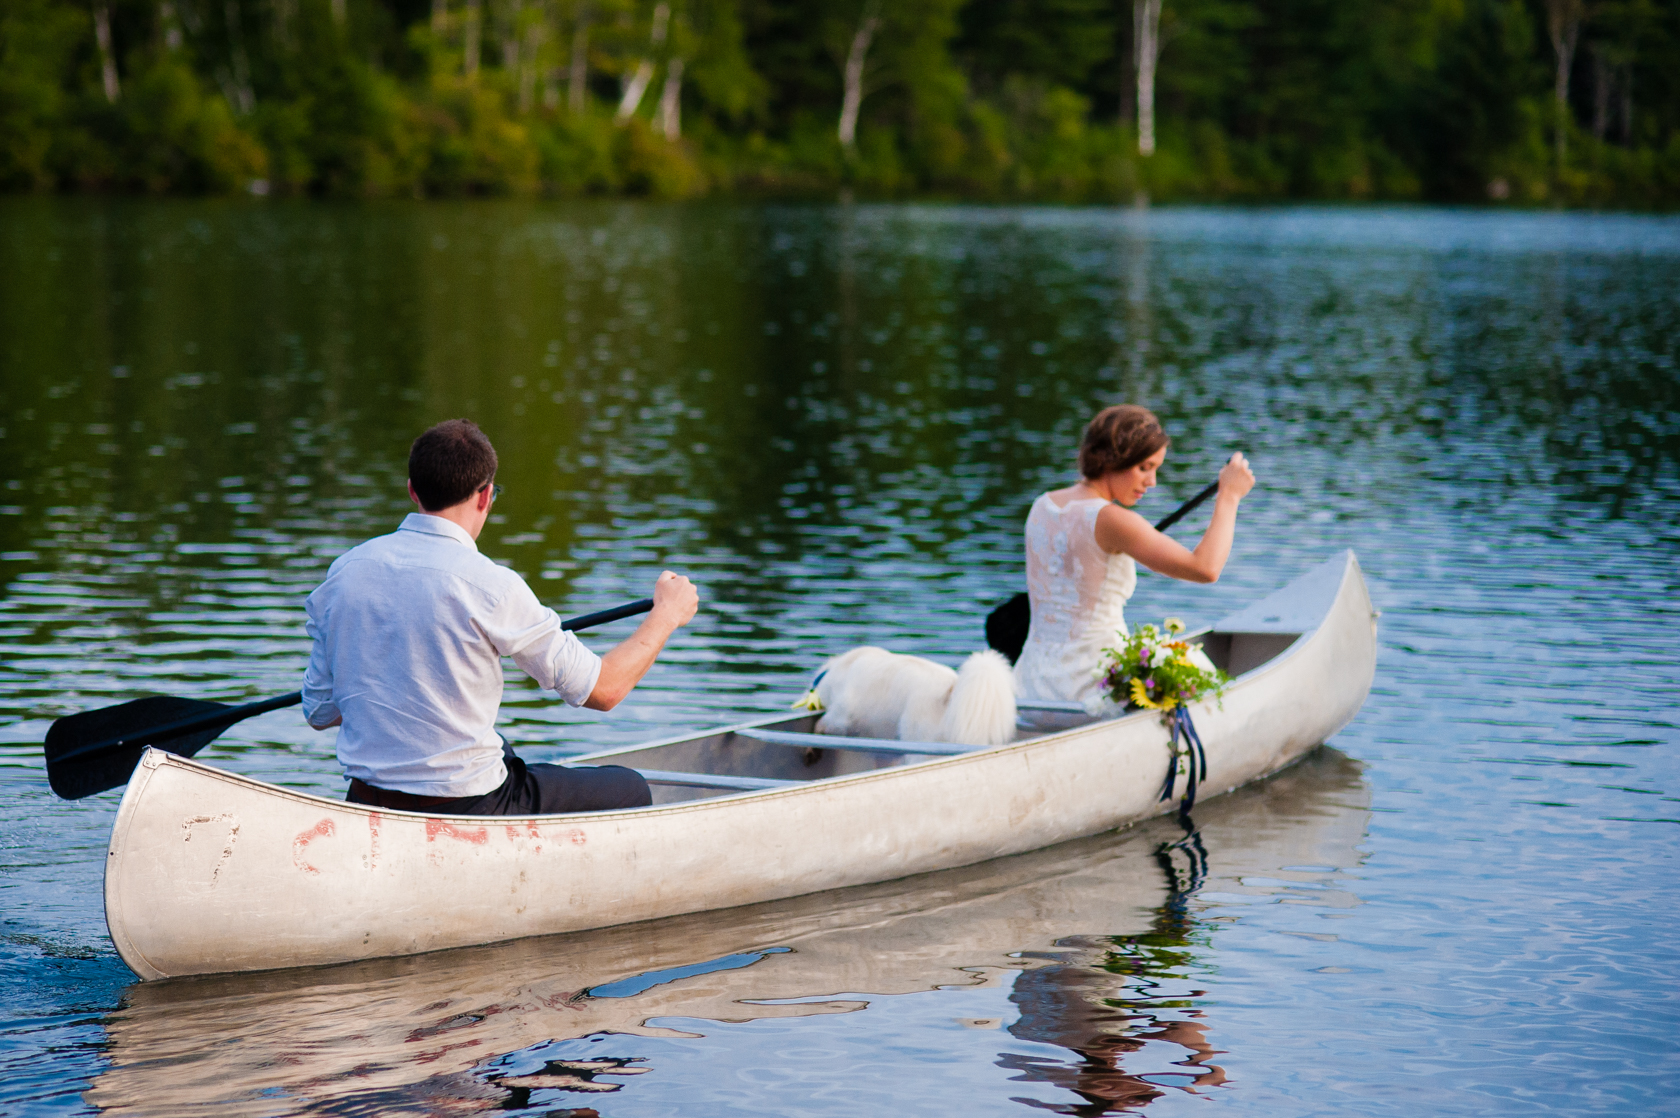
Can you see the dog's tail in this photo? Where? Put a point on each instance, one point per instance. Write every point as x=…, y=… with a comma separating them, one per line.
x=982, y=706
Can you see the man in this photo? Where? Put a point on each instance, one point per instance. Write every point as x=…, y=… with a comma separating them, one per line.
x=409, y=632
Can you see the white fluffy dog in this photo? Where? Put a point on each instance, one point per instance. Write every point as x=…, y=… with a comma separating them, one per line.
x=872, y=693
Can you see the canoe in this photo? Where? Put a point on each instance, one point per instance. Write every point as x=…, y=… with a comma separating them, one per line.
x=209, y=871
x=412, y=1035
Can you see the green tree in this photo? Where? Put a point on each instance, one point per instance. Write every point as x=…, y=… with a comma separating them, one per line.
x=40, y=42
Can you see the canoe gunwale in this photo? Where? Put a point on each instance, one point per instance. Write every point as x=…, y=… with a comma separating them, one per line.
x=607, y=756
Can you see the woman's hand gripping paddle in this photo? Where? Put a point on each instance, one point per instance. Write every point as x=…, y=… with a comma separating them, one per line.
x=97, y=750
x=1006, y=626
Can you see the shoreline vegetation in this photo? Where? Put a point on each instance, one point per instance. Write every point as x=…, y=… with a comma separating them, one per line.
x=1513, y=102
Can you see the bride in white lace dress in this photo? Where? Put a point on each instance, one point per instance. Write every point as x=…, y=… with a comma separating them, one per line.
x=1084, y=543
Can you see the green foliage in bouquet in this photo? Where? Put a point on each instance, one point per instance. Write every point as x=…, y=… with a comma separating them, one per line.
x=1153, y=670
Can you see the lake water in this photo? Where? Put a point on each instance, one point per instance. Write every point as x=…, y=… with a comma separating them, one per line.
x=834, y=419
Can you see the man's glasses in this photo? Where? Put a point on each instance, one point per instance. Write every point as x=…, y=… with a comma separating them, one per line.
x=495, y=490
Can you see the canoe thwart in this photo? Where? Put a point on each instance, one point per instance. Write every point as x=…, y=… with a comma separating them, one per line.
x=710, y=780
x=1059, y=706
x=862, y=745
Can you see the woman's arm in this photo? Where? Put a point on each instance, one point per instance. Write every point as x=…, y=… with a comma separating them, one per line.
x=1122, y=530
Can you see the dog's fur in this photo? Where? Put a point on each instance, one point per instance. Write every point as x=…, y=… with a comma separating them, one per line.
x=872, y=693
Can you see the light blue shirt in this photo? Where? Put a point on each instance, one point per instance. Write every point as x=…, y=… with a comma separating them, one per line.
x=409, y=632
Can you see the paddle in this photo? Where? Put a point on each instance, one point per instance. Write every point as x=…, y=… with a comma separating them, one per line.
x=1187, y=508
x=97, y=750
x=1006, y=626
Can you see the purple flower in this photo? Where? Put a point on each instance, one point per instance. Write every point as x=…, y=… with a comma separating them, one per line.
x=1150, y=683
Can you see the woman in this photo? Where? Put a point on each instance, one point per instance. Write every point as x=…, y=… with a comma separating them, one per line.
x=1084, y=544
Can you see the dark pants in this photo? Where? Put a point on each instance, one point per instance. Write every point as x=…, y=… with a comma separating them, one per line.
x=539, y=789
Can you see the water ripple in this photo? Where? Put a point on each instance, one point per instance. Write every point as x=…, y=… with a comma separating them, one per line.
x=834, y=418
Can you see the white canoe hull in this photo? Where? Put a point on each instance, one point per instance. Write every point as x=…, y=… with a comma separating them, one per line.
x=326, y=1040
x=213, y=872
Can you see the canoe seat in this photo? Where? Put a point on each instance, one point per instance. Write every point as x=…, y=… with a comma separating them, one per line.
x=862, y=745
x=711, y=780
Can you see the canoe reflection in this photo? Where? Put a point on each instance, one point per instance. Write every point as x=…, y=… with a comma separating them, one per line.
x=1096, y=938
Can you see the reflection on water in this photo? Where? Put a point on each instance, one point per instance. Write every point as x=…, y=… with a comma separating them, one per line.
x=835, y=418
x=1078, y=1005
x=1098, y=944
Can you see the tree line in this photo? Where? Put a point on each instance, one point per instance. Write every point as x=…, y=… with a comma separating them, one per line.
x=1573, y=102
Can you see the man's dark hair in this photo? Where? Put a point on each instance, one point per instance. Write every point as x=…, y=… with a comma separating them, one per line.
x=449, y=463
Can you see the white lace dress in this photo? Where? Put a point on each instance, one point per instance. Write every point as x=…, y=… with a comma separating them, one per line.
x=1079, y=593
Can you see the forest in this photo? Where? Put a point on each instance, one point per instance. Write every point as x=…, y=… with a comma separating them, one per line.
x=1497, y=102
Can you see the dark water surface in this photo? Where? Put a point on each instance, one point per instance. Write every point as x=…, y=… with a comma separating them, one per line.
x=834, y=420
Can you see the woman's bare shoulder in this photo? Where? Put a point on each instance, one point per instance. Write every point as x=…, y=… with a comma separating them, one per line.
x=1117, y=526
x=1119, y=514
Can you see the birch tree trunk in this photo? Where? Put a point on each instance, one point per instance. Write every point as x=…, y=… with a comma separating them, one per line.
x=171, y=26
x=510, y=35
x=577, y=81
x=470, y=50
x=669, y=120
x=638, y=83
x=633, y=90
x=1627, y=104
x=107, y=54
x=340, y=12
x=440, y=19
x=1146, y=49
x=535, y=35
x=1603, y=77
x=245, y=99
x=851, y=100
x=1563, y=24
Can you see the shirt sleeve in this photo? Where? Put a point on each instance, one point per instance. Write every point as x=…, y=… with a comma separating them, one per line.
x=319, y=710
x=530, y=632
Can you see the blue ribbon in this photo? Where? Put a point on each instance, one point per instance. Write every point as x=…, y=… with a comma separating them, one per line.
x=1181, y=726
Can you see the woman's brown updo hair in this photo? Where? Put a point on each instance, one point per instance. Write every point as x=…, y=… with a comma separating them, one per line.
x=1119, y=438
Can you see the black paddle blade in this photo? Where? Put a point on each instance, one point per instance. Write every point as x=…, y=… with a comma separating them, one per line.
x=101, y=770
x=1006, y=626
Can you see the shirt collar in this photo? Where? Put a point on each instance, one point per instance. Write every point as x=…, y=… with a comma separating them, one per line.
x=436, y=526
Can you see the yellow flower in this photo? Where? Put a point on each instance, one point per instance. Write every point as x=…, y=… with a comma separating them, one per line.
x=1141, y=696
x=808, y=701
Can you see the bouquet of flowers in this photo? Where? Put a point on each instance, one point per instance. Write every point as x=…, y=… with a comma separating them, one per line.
x=1153, y=670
